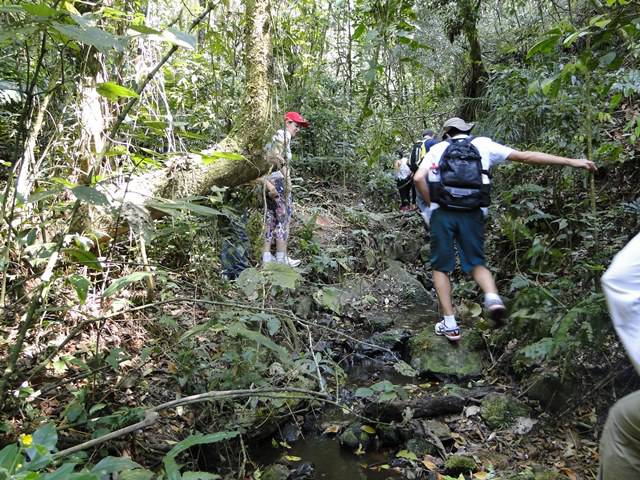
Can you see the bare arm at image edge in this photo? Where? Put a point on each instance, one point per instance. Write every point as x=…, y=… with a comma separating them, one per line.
x=540, y=158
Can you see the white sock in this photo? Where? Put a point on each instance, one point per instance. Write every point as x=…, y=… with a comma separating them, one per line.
x=491, y=296
x=280, y=257
x=450, y=321
x=266, y=257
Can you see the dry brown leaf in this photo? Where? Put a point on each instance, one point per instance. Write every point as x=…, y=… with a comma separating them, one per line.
x=332, y=429
x=429, y=464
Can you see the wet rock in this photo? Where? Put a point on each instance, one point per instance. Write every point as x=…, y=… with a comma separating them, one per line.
x=290, y=432
x=390, y=435
x=439, y=429
x=550, y=391
x=380, y=321
x=457, y=464
x=402, y=283
x=434, y=354
x=304, y=472
x=490, y=457
x=354, y=437
x=501, y=410
x=421, y=447
x=275, y=472
x=304, y=306
x=394, y=340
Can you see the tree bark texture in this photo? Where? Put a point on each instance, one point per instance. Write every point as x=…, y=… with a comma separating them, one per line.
x=190, y=176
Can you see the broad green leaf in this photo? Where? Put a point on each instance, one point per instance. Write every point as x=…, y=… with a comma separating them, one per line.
x=545, y=45
x=329, y=297
x=403, y=368
x=37, y=196
x=88, y=194
x=170, y=465
x=173, y=207
x=116, y=355
x=122, y=282
x=249, y=280
x=8, y=456
x=407, y=454
x=364, y=392
x=359, y=31
x=282, y=275
x=46, y=436
x=176, y=37
x=113, y=91
x=138, y=474
x=114, y=464
x=383, y=386
x=17, y=33
x=273, y=325
x=81, y=285
x=200, y=476
x=239, y=329
x=40, y=10
x=368, y=429
x=573, y=37
x=83, y=257
x=144, y=30
x=600, y=21
x=103, y=41
x=61, y=473
x=607, y=59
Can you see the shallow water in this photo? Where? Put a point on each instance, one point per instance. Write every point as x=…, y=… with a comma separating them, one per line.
x=330, y=461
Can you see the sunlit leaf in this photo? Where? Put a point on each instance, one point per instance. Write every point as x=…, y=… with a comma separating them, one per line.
x=407, y=455
x=103, y=41
x=84, y=257
x=81, y=285
x=40, y=10
x=368, y=429
x=545, y=45
x=88, y=194
x=113, y=464
x=122, y=282
x=113, y=91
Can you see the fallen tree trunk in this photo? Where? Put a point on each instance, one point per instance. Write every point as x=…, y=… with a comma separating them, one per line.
x=190, y=175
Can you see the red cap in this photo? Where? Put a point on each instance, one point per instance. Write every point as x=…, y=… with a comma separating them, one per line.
x=296, y=117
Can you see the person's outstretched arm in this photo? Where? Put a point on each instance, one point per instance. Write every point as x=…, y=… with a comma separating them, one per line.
x=540, y=158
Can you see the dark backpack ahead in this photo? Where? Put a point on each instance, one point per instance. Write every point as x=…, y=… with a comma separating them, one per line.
x=414, y=159
x=460, y=186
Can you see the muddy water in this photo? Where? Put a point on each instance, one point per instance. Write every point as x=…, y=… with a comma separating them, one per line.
x=330, y=461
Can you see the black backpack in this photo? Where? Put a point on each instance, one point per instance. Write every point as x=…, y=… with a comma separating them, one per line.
x=460, y=186
x=414, y=159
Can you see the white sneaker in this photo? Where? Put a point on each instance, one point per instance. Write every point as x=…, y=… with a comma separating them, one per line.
x=451, y=334
x=267, y=258
x=292, y=262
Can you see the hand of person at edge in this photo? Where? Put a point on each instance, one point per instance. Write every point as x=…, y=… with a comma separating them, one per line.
x=584, y=163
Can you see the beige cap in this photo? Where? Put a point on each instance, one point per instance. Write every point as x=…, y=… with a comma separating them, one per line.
x=458, y=124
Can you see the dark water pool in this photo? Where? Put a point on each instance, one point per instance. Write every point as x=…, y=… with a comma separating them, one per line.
x=330, y=461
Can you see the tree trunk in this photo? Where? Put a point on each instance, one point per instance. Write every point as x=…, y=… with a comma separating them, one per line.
x=190, y=175
x=475, y=86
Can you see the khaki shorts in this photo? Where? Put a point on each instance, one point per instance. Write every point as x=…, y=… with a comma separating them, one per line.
x=620, y=441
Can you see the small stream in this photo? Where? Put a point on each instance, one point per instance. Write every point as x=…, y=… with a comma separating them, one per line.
x=323, y=451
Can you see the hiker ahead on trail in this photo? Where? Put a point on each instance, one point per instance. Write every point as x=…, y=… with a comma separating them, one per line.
x=404, y=182
x=279, y=202
x=620, y=441
x=456, y=194
x=418, y=153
